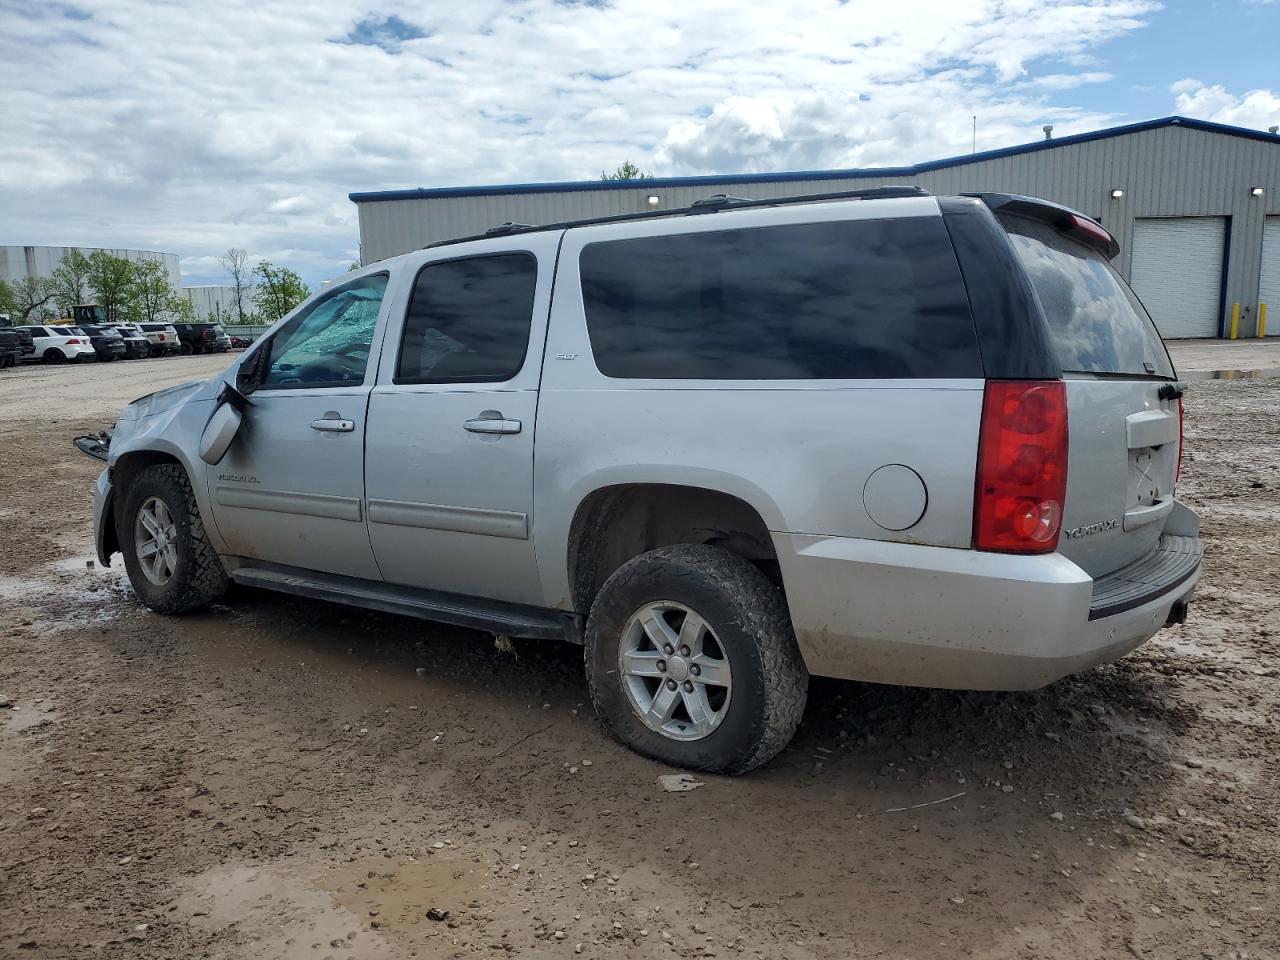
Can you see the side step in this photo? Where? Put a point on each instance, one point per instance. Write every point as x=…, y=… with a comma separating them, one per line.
x=476, y=613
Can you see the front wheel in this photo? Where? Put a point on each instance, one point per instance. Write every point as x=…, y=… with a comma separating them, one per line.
x=691, y=659
x=171, y=564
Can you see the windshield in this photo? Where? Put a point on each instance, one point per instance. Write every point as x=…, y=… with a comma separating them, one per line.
x=1096, y=322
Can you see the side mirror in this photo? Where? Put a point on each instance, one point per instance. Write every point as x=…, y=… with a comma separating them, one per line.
x=252, y=371
x=223, y=426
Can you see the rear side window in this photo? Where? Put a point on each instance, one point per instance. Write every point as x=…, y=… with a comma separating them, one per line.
x=65, y=332
x=468, y=321
x=1096, y=323
x=843, y=300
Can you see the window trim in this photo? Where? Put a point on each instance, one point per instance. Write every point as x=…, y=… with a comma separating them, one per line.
x=398, y=380
x=325, y=384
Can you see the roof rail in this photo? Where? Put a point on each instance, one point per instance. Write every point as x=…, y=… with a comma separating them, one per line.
x=714, y=204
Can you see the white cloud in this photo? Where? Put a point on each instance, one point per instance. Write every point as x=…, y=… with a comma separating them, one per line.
x=1259, y=109
x=190, y=126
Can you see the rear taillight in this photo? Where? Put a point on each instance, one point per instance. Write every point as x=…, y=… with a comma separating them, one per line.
x=1022, y=466
x=1177, y=474
x=73, y=342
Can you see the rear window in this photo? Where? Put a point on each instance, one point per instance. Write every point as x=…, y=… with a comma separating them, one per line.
x=851, y=299
x=1096, y=323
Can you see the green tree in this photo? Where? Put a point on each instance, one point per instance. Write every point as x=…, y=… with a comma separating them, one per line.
x=150, y=296
x=181, y=310
x=70, y=281
x=278, y=291
x=28, y=300
x=110, y=279
x=628, y=171
x=6, y=298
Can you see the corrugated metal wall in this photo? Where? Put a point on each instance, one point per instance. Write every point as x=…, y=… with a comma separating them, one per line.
x=207, y=300
x=18, y=263
x=1165, y=172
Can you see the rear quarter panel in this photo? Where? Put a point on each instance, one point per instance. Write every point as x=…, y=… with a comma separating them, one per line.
x=798, y=451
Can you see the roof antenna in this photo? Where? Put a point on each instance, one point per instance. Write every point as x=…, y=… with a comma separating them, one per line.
x=975, y=133
x=1048, y=131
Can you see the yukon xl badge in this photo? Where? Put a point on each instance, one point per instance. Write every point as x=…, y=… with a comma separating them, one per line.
x=1089, y=529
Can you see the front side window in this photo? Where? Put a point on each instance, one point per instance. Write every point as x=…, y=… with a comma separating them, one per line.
x=469, y=320
x=850, y=299
x=328, y=343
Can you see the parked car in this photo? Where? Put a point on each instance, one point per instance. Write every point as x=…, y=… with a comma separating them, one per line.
x=11, y=347
x=723, y=452
x=240, y=343
x=162, y=337
x=136, y=344
x=107, y=342
x=58, y=344
x=27, y=342
x=202, y=338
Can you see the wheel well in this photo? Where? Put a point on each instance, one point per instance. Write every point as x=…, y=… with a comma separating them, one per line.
x=122, y=474
x=617, y=523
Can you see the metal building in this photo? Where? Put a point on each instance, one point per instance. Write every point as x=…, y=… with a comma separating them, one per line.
x=1195, y=206
x=18, y=263
x=214, y=302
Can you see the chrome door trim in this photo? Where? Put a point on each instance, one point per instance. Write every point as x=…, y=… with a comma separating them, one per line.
x=437, y=516
x=283, y=501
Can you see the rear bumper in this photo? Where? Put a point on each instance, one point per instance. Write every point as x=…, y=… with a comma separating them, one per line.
x=939, y=617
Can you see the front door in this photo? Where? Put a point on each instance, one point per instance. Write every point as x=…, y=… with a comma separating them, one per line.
x=290, y=489
x=450, y=438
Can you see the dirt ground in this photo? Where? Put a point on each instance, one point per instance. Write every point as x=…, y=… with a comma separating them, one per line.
x=290, y=779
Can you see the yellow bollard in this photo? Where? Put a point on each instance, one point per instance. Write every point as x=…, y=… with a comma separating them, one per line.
x=1262, y=319
x=1235, y=320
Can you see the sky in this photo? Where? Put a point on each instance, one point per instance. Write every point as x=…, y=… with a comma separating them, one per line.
x=191, y=126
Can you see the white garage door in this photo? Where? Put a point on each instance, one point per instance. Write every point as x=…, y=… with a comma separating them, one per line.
x=1177, y=271
x=1269, y=292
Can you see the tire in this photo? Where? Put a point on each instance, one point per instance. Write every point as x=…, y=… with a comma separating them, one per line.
x=197, y=577
x=185, y=349
x=54, y=355
x=754, y=715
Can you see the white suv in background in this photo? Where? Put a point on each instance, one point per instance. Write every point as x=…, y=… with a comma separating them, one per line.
x=162, y=337
x=60, y=344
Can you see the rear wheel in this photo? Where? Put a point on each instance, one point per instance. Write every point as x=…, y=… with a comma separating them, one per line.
x=691, y=659
x=185, y=350
x=171, y=564
x=54, y=355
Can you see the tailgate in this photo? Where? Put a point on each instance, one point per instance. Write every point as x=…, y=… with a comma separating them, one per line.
x=1122, y=462
x=1123, y=405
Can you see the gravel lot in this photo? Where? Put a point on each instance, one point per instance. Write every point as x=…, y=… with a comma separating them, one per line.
x=289, y=779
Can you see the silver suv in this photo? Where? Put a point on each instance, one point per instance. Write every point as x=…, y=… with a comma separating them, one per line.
x=881, y=436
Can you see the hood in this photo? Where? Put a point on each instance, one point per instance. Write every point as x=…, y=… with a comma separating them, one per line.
x=166, y=399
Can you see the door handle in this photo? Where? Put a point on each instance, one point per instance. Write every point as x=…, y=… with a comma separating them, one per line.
x=333, y=425
x=491, y=421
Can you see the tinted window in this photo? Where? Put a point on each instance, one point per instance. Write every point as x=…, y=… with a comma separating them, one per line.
x=1096, y=323
x=152, y=327
x=468, y=321
x=328, y=343
x=68, y=331
x=843, y=300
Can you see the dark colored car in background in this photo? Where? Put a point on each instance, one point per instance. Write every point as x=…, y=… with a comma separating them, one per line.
x=107, y=342
x=21, y=338
x=136, y=345
x=10, y=347
x=202, y=338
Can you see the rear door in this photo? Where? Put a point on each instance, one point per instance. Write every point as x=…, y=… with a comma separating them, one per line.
x=1124, y=436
